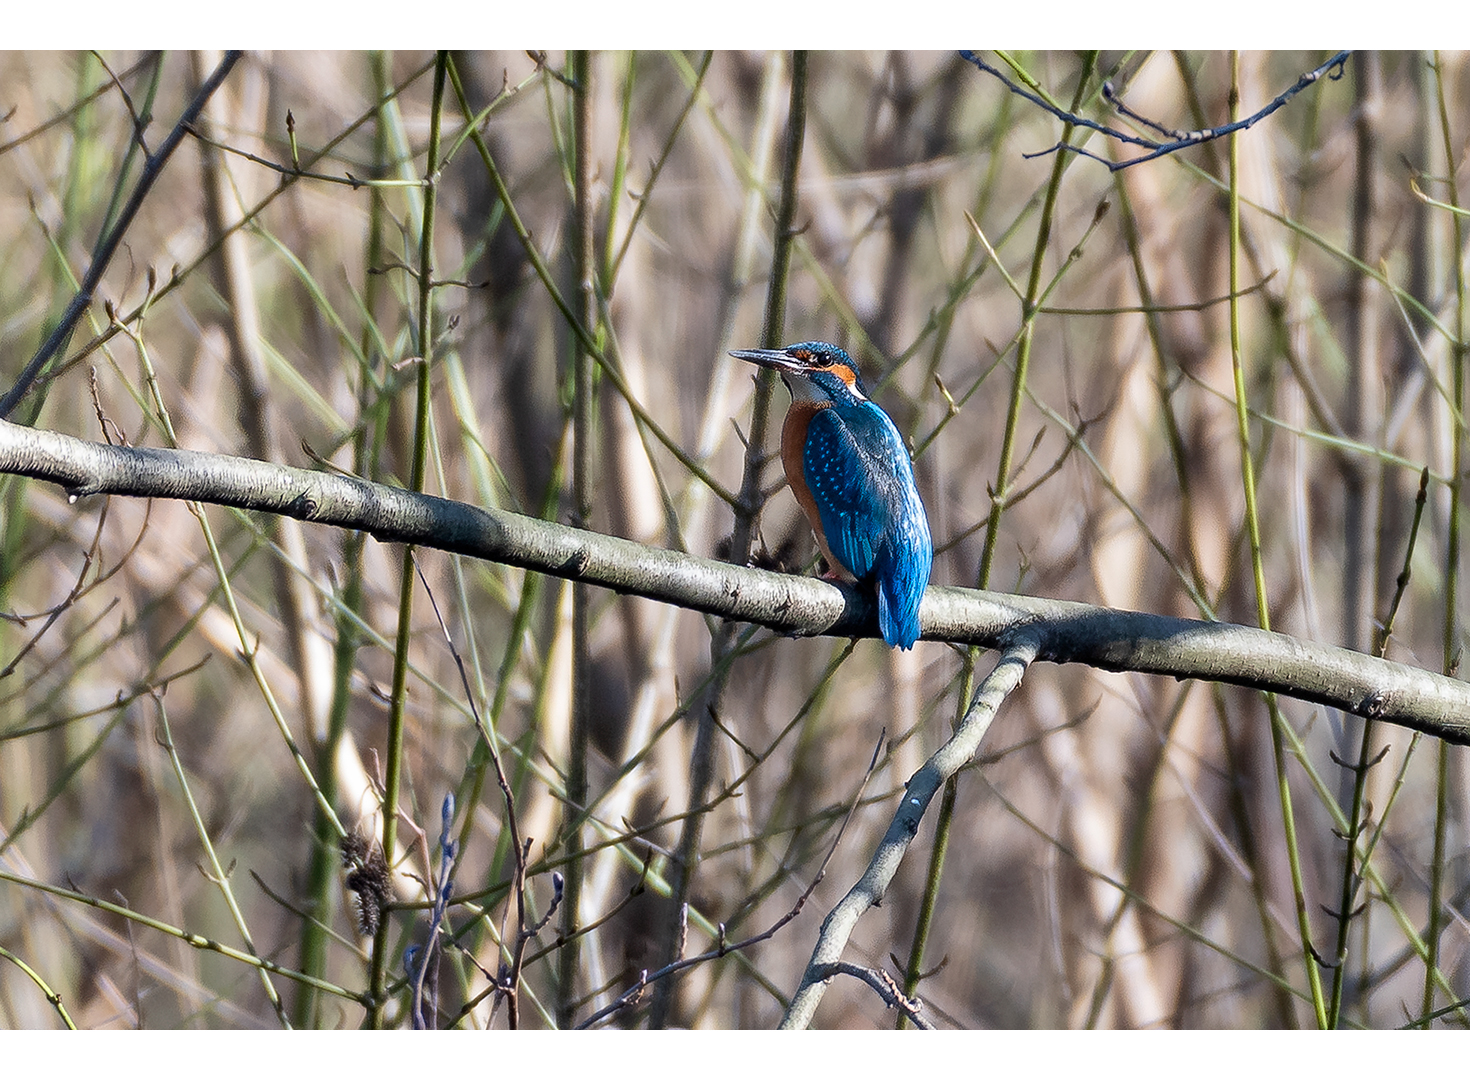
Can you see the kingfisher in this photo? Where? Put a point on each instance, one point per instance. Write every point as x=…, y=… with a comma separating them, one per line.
x=850, y=472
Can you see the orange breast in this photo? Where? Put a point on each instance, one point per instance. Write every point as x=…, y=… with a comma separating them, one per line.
x=793, y=443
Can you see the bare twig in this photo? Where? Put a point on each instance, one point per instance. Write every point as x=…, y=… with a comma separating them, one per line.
x=67, y=114
x=295, y=171
x=422, y=961
x=508, y=980
x=723, y=948
x=152, y=169
x=1178, y=140
x=885, y=985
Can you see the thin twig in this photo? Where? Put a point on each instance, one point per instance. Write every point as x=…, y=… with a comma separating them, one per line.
x=1179, y=140
x=152, y=169
x=423, y=960
x=296, y=172
x=81, y=103
x=886, y=986
x=722, y=948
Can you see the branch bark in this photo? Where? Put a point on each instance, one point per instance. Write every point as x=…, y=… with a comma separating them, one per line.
x=837, y=927
x=1066, y=631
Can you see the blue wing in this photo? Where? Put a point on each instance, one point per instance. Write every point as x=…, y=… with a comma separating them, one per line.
x=858, y=470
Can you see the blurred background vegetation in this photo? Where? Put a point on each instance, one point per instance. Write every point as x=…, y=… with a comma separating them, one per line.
x=287, y=338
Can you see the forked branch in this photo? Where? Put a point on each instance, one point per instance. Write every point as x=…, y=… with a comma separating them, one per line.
x=1174, y=140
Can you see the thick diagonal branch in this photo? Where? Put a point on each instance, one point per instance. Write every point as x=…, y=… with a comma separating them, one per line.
x=1066, y=631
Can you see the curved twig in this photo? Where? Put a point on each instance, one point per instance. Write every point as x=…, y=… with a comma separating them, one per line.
x=920, y=791
x=884, y=985
x=1178, y=140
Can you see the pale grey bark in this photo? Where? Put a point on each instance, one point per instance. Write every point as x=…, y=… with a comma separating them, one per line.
x=917, y=794
x=1065, y=631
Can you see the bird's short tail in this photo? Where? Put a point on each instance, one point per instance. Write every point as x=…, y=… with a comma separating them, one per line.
x=898, y=609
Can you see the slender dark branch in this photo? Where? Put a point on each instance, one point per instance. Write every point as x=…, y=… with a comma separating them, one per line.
x=296, y=171
x=746, y=526
x=1178, y=140
x=140, y=123
x=423, y=960
x=81, y=103
x=1149, y=309
x=722, y=948
x=510, y=978
x=1056, y=110
x=585, y=472
x=152, y=169
x=1111, y=95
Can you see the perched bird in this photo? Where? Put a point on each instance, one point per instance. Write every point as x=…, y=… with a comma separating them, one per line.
x=850, y=471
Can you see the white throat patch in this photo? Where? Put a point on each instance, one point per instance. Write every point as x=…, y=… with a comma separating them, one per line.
x=803, y=389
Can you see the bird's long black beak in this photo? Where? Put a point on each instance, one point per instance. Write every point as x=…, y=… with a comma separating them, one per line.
x=771, y=358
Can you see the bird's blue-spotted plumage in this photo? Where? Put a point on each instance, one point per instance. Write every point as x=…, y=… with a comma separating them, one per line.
x=850, y=471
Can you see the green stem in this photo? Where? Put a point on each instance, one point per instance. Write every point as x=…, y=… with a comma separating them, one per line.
x=325, y=858
x=35, y=976
x=197, y=941
x=393, y=771
x=620, y=174
x=582, y=481
x=217, y=873
x=1253, y=528
x=1452, y=553
x=1030, y=306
